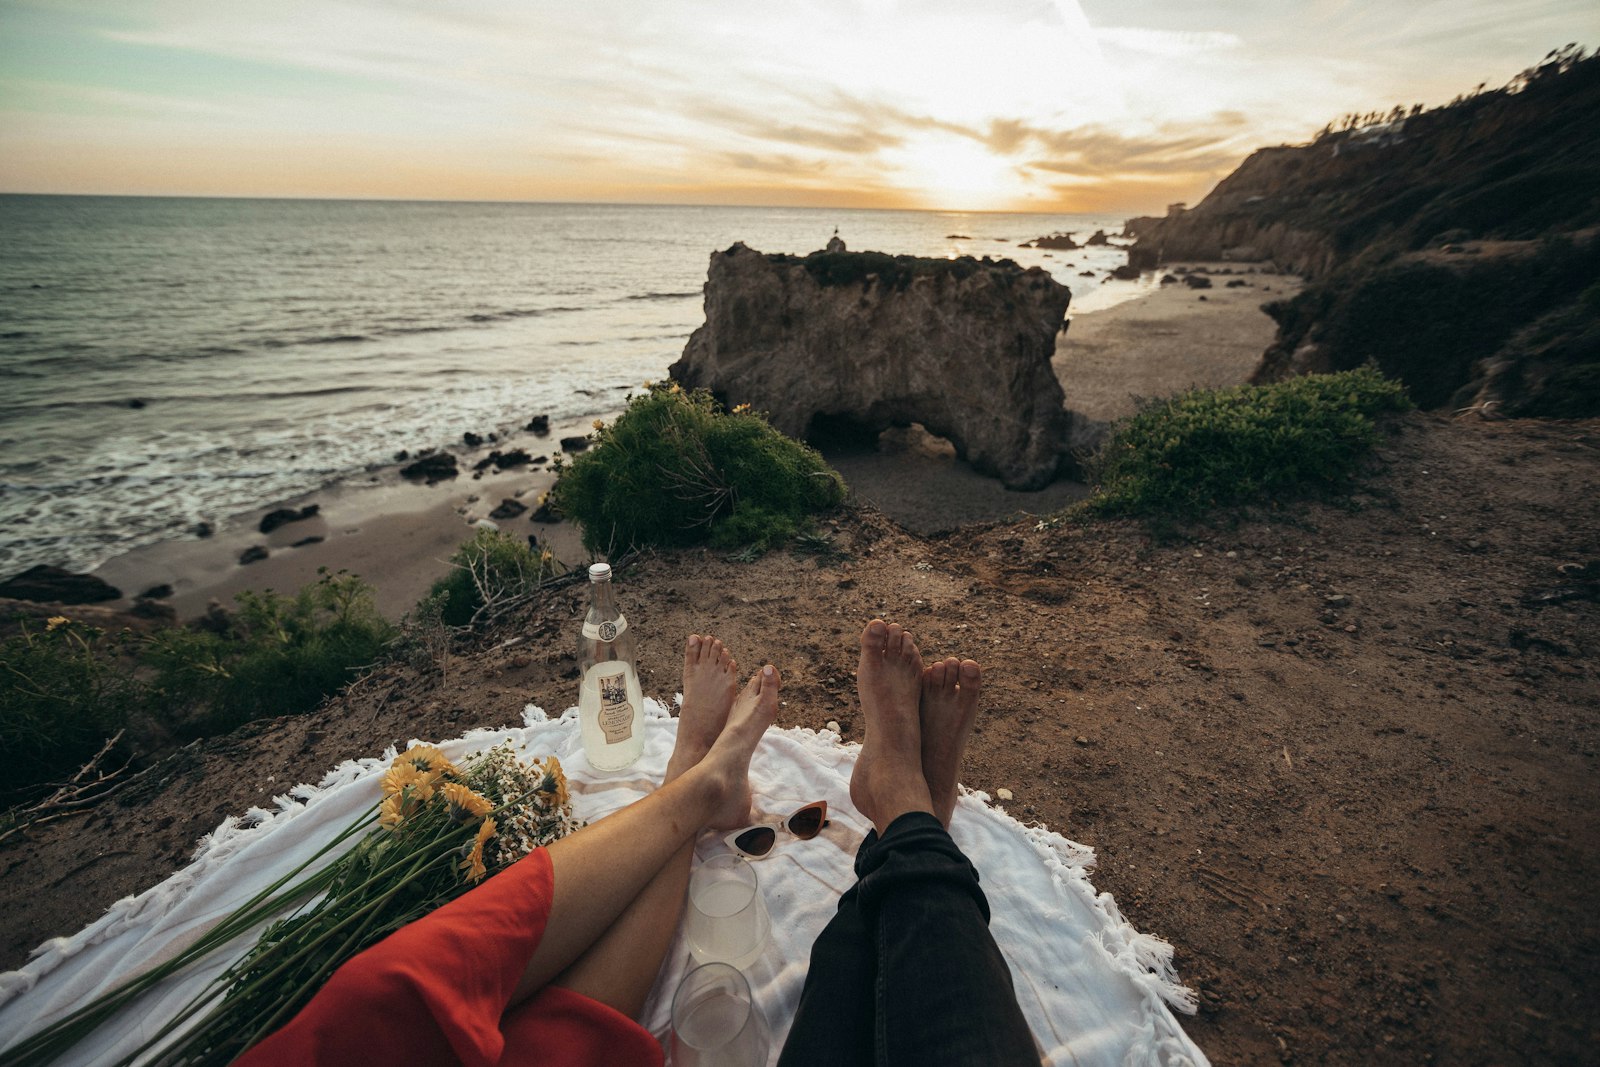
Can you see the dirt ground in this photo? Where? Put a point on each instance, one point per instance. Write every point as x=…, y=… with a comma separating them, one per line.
x=1341, y=755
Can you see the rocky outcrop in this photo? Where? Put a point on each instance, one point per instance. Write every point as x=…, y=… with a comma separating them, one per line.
x=1452, y=247
x=53, y=585
x=431, y=467
x=283, y=516
x=1061, y=242
x=866, y=341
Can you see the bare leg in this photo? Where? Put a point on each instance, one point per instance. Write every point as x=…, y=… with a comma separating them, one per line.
x=949, y=708
x=888, y=780
x=596, y=942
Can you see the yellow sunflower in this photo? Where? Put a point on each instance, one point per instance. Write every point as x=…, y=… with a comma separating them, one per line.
x=392, y=811
x=464, y=803
x=554, y=785
x=473, y=864
x=56, y=620
x=403, y=775
x=430, y=761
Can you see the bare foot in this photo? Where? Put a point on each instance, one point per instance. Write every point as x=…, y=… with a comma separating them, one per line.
x=728, y=761
x=710, y=682
x=949, y=708
x=888, y=780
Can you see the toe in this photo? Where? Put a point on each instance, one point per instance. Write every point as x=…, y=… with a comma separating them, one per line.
x=971, y=676
x=691, y=649
x=875, y=638
x=933, y=677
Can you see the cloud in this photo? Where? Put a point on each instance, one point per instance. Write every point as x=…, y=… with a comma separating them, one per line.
x=1167, y=44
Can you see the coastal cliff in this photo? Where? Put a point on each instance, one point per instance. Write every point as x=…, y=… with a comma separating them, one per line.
x=1454, y=247
x=857, y=342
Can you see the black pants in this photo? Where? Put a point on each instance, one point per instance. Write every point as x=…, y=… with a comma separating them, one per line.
x=907, y=972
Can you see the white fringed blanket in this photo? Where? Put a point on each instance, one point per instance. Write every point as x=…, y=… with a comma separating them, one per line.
x=1094, y=990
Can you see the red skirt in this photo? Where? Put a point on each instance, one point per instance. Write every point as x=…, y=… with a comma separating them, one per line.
x=435, y=992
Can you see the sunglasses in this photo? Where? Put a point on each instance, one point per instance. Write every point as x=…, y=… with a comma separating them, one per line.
x=758, y=840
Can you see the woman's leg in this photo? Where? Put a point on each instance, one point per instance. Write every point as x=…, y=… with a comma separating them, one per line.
x=620, y=968
x=603, y=868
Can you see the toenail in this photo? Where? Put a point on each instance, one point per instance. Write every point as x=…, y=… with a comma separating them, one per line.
x=768, y=671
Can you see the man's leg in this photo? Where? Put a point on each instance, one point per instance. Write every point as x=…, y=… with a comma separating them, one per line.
x=941, y=991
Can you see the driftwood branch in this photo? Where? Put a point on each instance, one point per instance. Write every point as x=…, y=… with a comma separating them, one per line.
x=88, y=787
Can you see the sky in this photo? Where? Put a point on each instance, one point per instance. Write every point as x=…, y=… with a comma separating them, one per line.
x=1098, y=106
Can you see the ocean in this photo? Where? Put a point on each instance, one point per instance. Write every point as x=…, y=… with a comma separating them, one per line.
x=165, y=362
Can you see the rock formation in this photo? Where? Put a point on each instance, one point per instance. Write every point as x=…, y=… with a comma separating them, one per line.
x=865, y=341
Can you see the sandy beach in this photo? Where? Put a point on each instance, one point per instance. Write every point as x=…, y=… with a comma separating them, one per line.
x=1174, y=338
x=399, y=535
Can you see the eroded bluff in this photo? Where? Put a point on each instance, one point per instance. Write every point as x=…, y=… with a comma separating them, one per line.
x=871, y=341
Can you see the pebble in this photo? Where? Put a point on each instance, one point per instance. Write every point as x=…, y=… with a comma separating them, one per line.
x=1004, y=794
x=1082, y=740
x=833, y=724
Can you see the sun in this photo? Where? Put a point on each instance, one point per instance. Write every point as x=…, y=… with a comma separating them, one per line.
x=944, y=171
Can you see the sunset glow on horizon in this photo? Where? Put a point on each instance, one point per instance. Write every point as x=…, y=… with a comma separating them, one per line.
x=1027, y=105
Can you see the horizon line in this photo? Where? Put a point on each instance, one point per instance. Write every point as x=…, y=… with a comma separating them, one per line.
x=562, y=203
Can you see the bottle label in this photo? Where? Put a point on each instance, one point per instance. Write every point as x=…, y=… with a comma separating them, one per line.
x=606, y=631
x=616, y=710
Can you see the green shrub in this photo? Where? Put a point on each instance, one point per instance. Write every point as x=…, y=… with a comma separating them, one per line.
x=675, y=469
x=62, y=693
x=283, y=655
x=1207, y=448
x=492, y=568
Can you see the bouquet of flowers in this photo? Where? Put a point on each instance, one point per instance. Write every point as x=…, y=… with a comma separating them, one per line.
x=441, y=829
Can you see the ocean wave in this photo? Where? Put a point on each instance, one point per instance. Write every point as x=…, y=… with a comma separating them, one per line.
x=663, y=296
x=323, y=339
x=519, y=313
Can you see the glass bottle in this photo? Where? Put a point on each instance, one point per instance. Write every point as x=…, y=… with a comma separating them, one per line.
x=610, y=703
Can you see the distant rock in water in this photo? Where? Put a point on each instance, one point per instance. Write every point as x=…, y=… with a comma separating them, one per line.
x=1062, y=242
x=539, y=424
x=574, y=444
x=850, y=343
x=57, y=586
x=253, y=554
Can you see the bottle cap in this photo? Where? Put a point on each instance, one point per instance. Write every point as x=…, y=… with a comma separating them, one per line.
x=599, y=572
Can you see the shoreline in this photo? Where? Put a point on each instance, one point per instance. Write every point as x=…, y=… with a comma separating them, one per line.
x=399, y=535
x=396, y=533
x=1171, y=339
